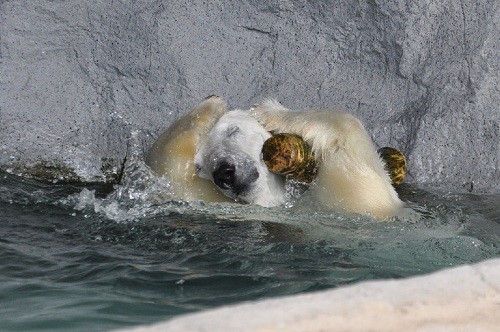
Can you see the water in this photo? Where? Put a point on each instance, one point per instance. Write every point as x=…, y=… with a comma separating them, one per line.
x=74, y=258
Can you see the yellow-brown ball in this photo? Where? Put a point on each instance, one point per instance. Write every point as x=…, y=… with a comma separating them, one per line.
x=395, y=164
x=291, y=156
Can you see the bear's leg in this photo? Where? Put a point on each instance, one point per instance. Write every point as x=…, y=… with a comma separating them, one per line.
x=351, y=175
x=172, y=155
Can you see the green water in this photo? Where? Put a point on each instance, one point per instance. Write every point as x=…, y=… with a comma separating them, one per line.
x=78, y=259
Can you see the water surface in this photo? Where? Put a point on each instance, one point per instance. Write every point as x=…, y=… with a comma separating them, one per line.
x=75, y=258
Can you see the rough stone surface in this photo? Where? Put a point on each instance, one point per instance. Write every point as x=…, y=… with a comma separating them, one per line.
x=465, y=298
x=77, y=77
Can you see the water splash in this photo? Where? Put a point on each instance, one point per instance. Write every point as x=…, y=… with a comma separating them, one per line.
x=154, y=255
x=143, y=193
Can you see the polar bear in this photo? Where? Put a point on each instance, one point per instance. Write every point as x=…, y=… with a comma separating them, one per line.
x=351, y=174
x=214, y=155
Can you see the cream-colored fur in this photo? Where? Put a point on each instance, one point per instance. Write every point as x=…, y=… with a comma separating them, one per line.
x=172, y=155
x=351, y=174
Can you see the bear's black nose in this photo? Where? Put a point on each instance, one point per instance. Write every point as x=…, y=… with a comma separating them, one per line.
x=224, y=176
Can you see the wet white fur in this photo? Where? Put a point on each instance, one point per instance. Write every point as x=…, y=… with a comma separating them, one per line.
x=238, y=137
x=351, y=174
x=172, y=155
x=203, y=135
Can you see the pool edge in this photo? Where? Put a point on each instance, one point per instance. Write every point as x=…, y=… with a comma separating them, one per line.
x=466, y=297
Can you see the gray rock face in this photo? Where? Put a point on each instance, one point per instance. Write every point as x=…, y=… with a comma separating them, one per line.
x=77, y=77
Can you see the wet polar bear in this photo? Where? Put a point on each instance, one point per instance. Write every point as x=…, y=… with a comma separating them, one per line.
x=212, y=150
x=226, y=146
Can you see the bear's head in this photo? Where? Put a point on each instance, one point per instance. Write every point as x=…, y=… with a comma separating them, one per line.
x=231, y=157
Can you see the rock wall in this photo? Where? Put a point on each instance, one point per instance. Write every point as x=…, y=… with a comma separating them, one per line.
x=76, y=77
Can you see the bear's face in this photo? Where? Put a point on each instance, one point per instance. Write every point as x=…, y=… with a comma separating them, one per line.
x=230, y=156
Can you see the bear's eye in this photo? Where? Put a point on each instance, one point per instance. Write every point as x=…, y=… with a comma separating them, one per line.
x=232, y=130
x=197, y=166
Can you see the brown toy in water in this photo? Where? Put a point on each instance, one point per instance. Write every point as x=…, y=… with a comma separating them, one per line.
x=395, y=164
x=289, y=155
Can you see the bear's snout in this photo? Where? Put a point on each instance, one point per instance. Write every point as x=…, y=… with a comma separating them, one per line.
x=224, y=176
x=235, y=179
